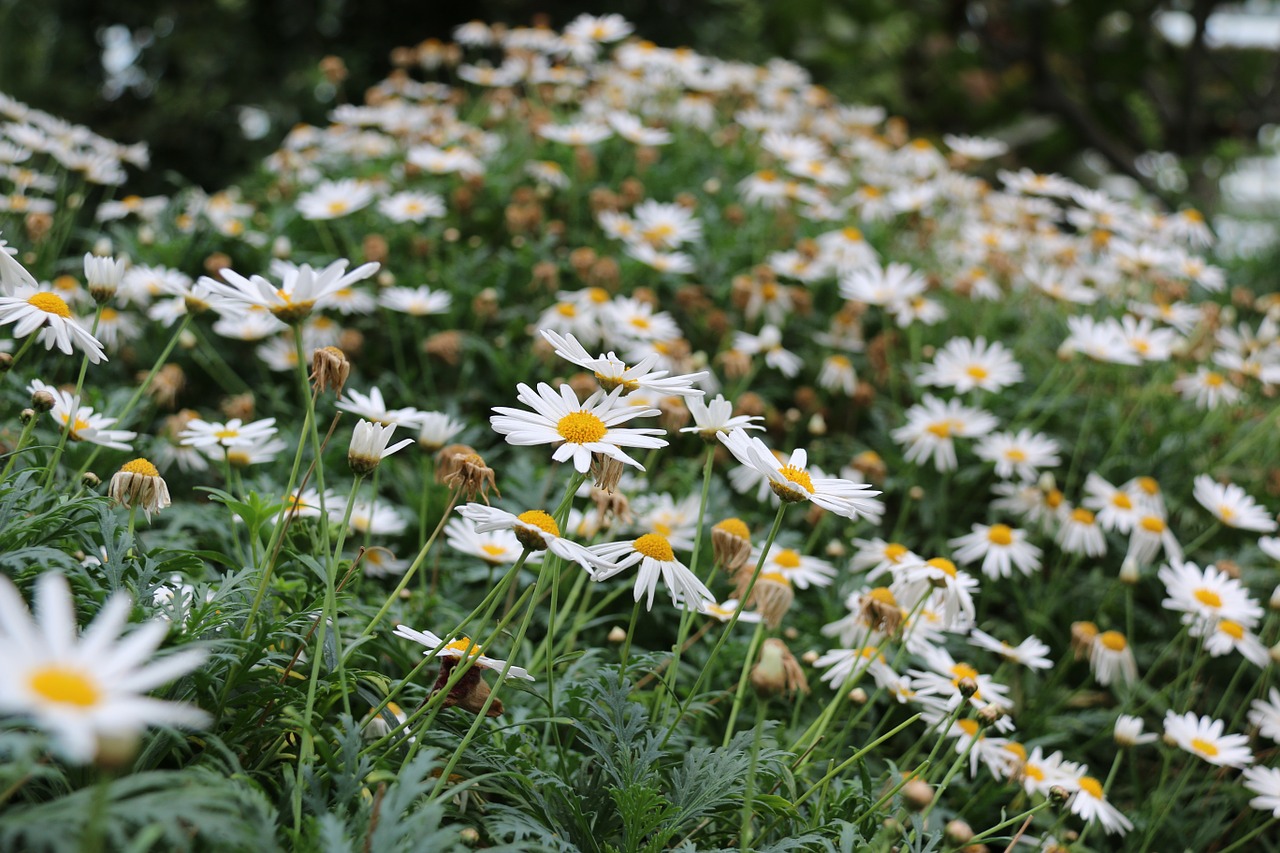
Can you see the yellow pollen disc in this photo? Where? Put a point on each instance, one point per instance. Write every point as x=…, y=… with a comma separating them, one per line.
x=1053, y=499
x=1090, y=786
x=598, y=295
x=337, y=206
x=838, y=361
x=1113, y=640
x=140, y=466
x=581, y=428
x=79, y=426
x=1033, y=772
x=775, y=577
x=540, y=520
x=769, y=291
x=1193, y=215
x=65, y=686
x=1149, y=485
x=787, y=559
x=566, y=309
x=1121, y=500
x=224, y=434
x=943, y=564
x=977, y=371
x=1151, y=524
x=1017, y=749
x=1234, y=630
x=799, y=476
x=1213, y=379
x=962, y=671
x=893, y=552
x=1226, y=513
x=655, y=546
x=1203, y=747
x=662, y=529
x=969, y=727
x=1208, y=597
x=884, y=595
x=942, y=429
x=659, y=232
x=853, y=235
x=493, y=550
x=461, y=645
x=110, y=314
x=1082, y=516
x=1015, y=455
x=1000, y=534
x=239, y=457
x=50, y=303
x=734, y=527
x=640, y=322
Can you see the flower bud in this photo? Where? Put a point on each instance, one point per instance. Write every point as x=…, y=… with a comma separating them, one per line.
x=25, y=416
x=617, y=634
x=958, y=832
x=42, y=401
x=917, y=794
x=90, y=480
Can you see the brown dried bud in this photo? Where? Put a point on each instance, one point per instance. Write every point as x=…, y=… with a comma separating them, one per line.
x=546, y=276
x=772, y=595
x=38, y=226
x=631, y=192
x=463, y=199
x=731, y=544
x=90, y=480
x=606, y=472
x=166, y=386
x=967, y=687
x=351, y=342
x=611, y=506
x=605, y=273
x=602, y=199
x=329, y=369
x=585, y=161
x=446, y=346
x=581, y=260
x=485, y=304
x=375, y=248
x=777, y=671
x=958, y=832
x=675, y=414
x=469, y=473
x=333, y=69
x=734, y=214
x=869, y=464
x=646, y=156
x=238, y=406
x=879, y=610
x=216, y=263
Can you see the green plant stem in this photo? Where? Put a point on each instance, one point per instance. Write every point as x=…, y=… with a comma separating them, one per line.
x=631, y=630
x=757, y=637
x=1169, y=803
x=155, y=368
x=1026, y=815
x=1252, y=835
x=744, y=834
x=22, y=350
x=946, y=780
x=840, y=768
x=70, y=425
x=23, y=438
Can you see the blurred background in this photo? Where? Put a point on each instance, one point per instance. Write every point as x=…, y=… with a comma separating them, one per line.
x=1178, y=98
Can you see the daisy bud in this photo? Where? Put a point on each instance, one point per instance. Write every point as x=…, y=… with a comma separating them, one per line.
x=836, y=549
x=1059, y=794
x=917, y=794
x=469, y=836
x=103, y=275
x=858, y=696
x=810, y=657
x=139, y=484
x=958, y=832
x=42, y=401
x=1275, y=653
x=817, y=425
x=329, y=369
x=776, y=671
x=166, y=386
x=25, y=416
x=989, y=715
x=369, y=446
x=915, y=493
x=617, y=634
x=1274, y=603
x=6, y=362
x=967, y=687
x=116, y=751
x=731, y=543
x=281, y=247
x=90, y=480
x=1129, y=573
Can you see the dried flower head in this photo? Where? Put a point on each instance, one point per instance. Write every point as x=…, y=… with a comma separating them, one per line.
x=139, y=484
x=777, y=671
x=329, y=369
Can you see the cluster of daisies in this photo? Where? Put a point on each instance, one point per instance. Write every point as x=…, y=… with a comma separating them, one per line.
x=826, y=267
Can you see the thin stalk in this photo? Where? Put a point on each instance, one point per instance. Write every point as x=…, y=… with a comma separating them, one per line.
x=744, y=834
x=71, y=416
x=756, y=639
x=155, y=368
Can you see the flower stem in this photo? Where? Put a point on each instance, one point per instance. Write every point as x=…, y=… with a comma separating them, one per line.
x=155, y=368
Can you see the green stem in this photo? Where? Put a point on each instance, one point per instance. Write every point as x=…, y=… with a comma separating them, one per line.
x=756, y=638
x=155, y=368
x=71, y=416
x=840, y=768
x=744, y=834
x=23, y=438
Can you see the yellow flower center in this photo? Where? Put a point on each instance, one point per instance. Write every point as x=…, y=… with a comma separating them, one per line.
x=461, y=645
x=787, y=559
x=1017, y=749
x=1113, y=640
x=944, y=565
x=337, y=207
x=1148, y=485
x=1033, y=772
x=239, y=458
x=65, y=686
x=969, y=727
x=853, y=235
x=799, y=476
x=1053, y=499
x=1203, y=747
x=1226, y=513
x=140, y=466
x=1121, y=500
x=224, y=434
x=1212, y=379
x=775, y=577
x=540, y=520
x=941, y=429
x=1090, y=786
x=655, y=546
x=1208, y=597
x=493, y=550
x=1151, y=524
x=977, y=371
x=581, y=428
x=1082, y=516
x=1013, y=454
x=734, y=527
x=50, y=303
x=1234, y=630
x=893, y=552
x=566, y=309
x=961, y=671
x=1000, y=534
x=884, y=595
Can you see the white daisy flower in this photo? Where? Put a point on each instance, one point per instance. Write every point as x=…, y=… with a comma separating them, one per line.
x=1231, y=505
x=302, y=288
x=1265, y=782
x=579, y=428
x=1205, y=596
x=792, y=481
x=234, y=433
x=953, y=587
x=462, y=647
x=1031, y=652
x=1227, y=636
x=943, y=678
x=369, y=446
x=415, y=301
x=30, y=309
x=1090, y=804
x=1203, y=737
x=1265, y=714
x=716, y=417
x=1207, y=388
x=334, y=199
x=611, y=372
x=411, y=206
x=81, y=422
x=801, y=570
x=1129, y=732
x=537, y=531
x=932, y=426
x=1000, y=547
x=12, y=273
x=373, y=407
x=724, y=611
x=495, y=547
x=1111, y=658
x=1080, y=533
x=90, y=687
x=654, y=554
x=963, y=365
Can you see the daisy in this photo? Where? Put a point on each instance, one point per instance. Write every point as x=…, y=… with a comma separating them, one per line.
x=411, y=206
x=1111, y=658
x=837, y=374
x=31, y=309
x=874, y=285
x=944, y=676
x=379, y=562
x=1000, y=547
x=769, y=342
x=415, y=301
x=369, y=446
x=963, y=365
x=308, y=503
x=81, y=422
x=1206, y=596
x=234, y=433
x=1080, y=533
x=138, y=483
x=632, y=129
x=792, y=482
x=803, y=571
x=1227, y=636
x=1031, y=652
x=635, y=320
x=657, y=560
x=1023, y=453
x=1116, y=508
x=462, y=647
x=932, y=426
x=371, y=517
x=579, y=428
x=302, y=288
x=717, y=418
x=333, y=199
x=1040, y=773
x=436, y=429
x=1231, y=505
x=577, y=134
x=86, y=688
x=954, y=587
x=1090, y=804
x=876, y=557
x=1207, y=388
x=12, y=273
x=1265, y=714
x=1265, y=782
x=723, y=612
x=537, y=531
x=611, y=372
x=1203, y=737
x=547, y=172
x=1129, y=732
x=495, y=547
x=373, y=407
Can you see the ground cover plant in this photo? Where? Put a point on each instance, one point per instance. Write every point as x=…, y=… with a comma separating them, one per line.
x=587, y=445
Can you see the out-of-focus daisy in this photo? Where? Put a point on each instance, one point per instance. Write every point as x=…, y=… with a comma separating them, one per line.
x=932, y=426
x=12, y=273
x=579, y=428
x=1031, y=652
x=411, y=206
x=876, y=557
x=802, y=570
x=415, y=301
x=30, y=309
x=302, y=288
x=724, y=611
x=1090, y=804
x=1207, y=595
x=372, y=517
x=1111, y=658
x=1023, y=453
x=953, y=586
x=716, y=417
x=374, y=407
x=883, y=286
x=495, y=547
x=944, y=676
x=1203, y=737
x=379, y=562
x=1226, y=636
x=792, y=481
x=1129, y=732
x=1265, y=714
x=234, y=433
x=1265, y=782
x=611, y=372
x=86, y=688
x=81, y=422
x=964, y=365
x=769, y=344
x=1000, y=547
x=837, y=374
x=334, y=199
x=436, y=429
x=1231, y=505
x=1116, y=508
x=656, y=561
x=1080, y=533
x=1207, y=388
x=547, y=172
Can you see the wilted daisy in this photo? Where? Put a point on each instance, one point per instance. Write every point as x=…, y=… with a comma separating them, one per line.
x=30, y=309
x=932, y=426
x=1000, y=547
x=139, y=484
x=1231, y=505
x=963, y=365
x=87, y=689
x=1203, y=737
x=792, y=481
x=656, y=561
x=537, y=531
x=579, y=428
x=1090, y=804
